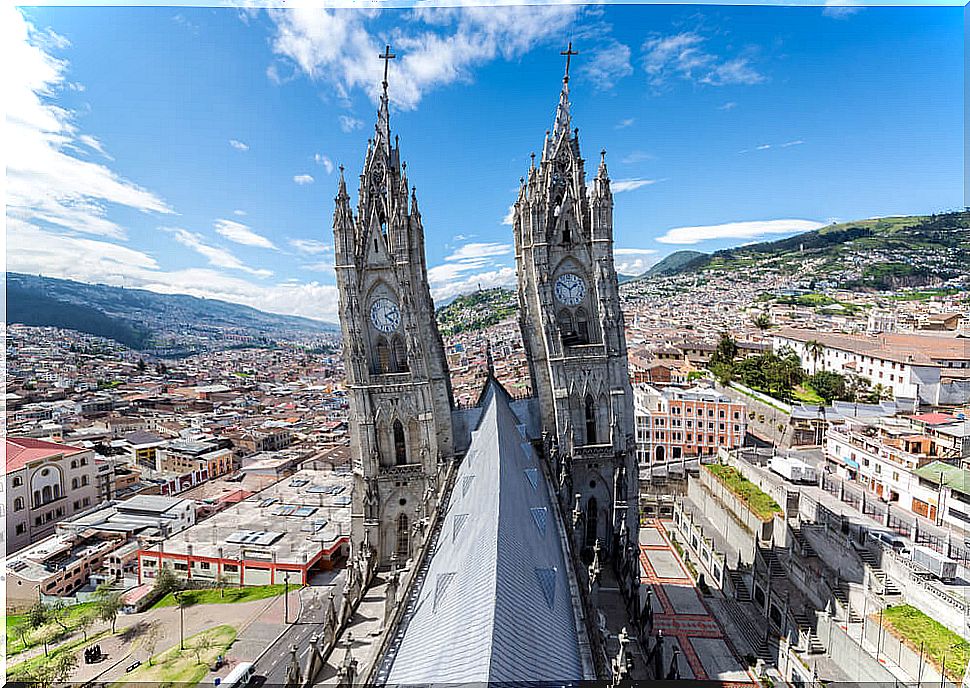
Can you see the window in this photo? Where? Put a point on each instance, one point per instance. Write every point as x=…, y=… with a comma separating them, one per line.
x=590, y=415
x=87, y=501
x=400, y=445
x=566, y=327
x=84, y=461
x=400, y=355
x=84, y=480
x=73, y=483
x=383, y=356
x=230, y=568
x=582, y=326
x=21, y=528
x=180, y=566
x=18, y=481
x=74, y=463
x=18, y=504
x=204, y=565
x=403, y=541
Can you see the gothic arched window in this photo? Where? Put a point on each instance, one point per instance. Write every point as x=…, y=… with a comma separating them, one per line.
x=566, y=234
x=582, y=326
x=566, y=327
x=589, y=412
x=403, y=540
x=399, y=353
x=18, y=504
x=591, y=521
x=383, y=356
x=400, y=445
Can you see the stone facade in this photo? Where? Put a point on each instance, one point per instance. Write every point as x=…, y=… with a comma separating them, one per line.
x=573, y=331
x=397, y=376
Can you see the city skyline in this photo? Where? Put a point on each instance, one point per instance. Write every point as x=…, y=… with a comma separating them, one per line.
x=196, y=152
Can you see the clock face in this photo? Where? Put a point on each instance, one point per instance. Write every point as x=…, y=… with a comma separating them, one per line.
x=385, y=315
x=570, y=289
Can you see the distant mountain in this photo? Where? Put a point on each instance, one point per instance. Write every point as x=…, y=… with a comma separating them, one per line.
x=167, y=324
x=471, y=312
x=880, y=253
x=674, y=263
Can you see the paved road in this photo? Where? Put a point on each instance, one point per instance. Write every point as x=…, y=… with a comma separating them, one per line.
x=305, y=623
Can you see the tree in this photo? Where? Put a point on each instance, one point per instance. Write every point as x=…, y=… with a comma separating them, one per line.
x=37, y=614
x=20, y=627
x=222, y=580
x=142, y=365
x=762, y=321
x=165, y=582
x=815, y=350
x=203, y=643
x=724, y=373
x=829, y=385
x=56, y=613
x=150, y=640
x=85, y=621
x=108, y=603
x=726, y=351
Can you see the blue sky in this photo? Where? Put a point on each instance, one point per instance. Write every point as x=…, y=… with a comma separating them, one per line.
x=193, y=150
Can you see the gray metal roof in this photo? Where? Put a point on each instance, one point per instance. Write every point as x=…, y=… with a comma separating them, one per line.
x=496, y=603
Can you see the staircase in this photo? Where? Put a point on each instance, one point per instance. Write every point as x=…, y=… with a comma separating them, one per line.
x=741, y=592
x=888, y=587
x=806, y=626
x=772, y=562
x=802, y=543
x=843, y=598
x=752, y=633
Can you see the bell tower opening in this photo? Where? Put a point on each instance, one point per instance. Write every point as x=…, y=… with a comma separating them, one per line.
x=590, y=415
x=403, y=540
x=400, y=445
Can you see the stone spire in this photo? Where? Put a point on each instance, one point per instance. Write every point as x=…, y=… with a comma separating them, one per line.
x=562, y=110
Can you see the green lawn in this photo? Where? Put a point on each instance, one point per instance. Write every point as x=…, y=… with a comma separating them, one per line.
x=757, y=500
x=226, y=596
x=806, y=394
x=182, y=667
x=914, y=628
x=14, y=644
x=18, y=671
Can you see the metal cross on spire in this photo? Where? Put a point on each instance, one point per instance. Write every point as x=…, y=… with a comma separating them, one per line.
x=568, y=52
x=387, y=56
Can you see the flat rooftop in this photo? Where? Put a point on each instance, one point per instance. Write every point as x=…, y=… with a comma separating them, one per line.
x=291, y=521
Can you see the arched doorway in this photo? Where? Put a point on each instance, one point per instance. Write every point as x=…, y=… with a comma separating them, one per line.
x=592, y=521
x=403, y=543
x=660, y=454
x=400, y=446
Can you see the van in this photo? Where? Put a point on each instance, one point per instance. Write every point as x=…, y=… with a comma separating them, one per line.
x=240, y=677
x=899, y=544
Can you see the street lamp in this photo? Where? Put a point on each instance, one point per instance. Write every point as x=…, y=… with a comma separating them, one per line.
x=179, y=599
x=286, y=597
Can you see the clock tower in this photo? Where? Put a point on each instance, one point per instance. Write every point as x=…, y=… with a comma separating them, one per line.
x=574, y=337
x=397, y=377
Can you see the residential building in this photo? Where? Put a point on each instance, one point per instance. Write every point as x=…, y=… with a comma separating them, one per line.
x=677, y=423
x=942, y=493
x=935, y=369
x=46, y=483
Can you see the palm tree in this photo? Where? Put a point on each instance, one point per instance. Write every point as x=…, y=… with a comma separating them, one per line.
x=816, y=350
x=762, y=321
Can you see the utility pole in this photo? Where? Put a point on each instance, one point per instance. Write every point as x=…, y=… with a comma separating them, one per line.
x=286, y=597
x=178, y=595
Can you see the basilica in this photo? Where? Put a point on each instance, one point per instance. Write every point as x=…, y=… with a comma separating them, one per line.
x=501, y=538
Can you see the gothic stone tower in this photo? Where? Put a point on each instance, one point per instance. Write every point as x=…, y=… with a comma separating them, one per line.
x=397, y=376
x=572, y=327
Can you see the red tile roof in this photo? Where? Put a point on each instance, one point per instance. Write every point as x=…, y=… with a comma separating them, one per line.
x=23, y=450
x=934, y=418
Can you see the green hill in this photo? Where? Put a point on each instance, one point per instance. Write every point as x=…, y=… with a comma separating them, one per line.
x=881, y=253
x=167, y=324
x=470, y=312
x=674, y=263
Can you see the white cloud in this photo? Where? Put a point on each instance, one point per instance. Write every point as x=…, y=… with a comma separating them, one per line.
x=349, y=124
x=635, y=156
x=94, y=144
x=238, y=145
x=34, y=250
x=736, y=230
x=685, y=56
x=241, y=234
x=624, y=123
x=217, y=257
x=509, y=216
x=303, y=179
x=633, y=261
x=730, y=105
x=239, y=213
x=471, y=265
x=310, y=246
x=769, y=146
x=45, y=184
x=840, y=9
x=608, y=65
x=327, y=163
x=621, y=185
x=435, y=46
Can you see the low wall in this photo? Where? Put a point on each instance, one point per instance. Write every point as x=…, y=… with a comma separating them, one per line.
x=889, y=647
x=761, y=529
x=726, y=522
x=701, y=547
x=850, y=656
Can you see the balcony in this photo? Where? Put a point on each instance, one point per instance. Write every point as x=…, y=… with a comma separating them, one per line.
x=406, y=471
